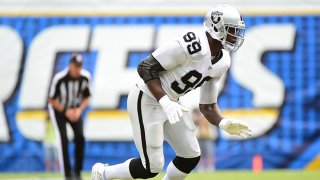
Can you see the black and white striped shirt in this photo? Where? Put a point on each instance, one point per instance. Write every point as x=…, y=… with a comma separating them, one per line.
x=68, y=91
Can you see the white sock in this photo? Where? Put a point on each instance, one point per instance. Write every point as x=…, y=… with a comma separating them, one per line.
x=173, y=173
x=118, y=171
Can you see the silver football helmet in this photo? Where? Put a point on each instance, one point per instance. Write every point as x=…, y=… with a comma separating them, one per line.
x=223, y=21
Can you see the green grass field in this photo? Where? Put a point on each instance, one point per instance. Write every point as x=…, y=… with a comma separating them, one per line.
x=218, y=175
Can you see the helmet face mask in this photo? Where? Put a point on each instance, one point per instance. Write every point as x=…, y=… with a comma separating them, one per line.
x=224, y=23
x=234, y=38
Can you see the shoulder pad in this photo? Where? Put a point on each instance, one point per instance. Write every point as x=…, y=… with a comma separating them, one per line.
x=192, y=44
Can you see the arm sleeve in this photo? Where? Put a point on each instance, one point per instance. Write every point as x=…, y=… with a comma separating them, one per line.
x=170, y=55
x=209, y=91
x=149, y=69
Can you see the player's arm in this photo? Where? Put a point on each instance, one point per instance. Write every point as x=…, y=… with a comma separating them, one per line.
x=208, y=101
x=212, y=113
x=149, y=70
x=164, y=58
x=209, y=108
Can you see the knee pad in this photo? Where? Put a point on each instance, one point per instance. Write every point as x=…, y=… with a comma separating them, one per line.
x=186, y=165
x=138, y=171
x=155, y=151
x=156, y=162
x=156, y=140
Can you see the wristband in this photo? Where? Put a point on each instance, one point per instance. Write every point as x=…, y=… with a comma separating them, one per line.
x=222, y=123
x=164, y=101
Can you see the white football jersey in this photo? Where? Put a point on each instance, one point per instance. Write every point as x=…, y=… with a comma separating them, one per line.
x=188, y=65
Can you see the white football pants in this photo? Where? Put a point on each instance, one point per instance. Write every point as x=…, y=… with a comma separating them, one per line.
x=150, y=126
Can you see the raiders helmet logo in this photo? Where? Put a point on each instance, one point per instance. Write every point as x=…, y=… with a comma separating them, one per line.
x=216, y=16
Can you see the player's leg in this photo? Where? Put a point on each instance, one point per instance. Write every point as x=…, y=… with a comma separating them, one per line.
x=146, y=118
x=122, y=170
x=181, y=136
x=59, y=123
x=77, y=128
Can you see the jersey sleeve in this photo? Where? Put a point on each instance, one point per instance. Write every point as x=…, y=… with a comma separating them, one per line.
x=170, y=55
x=86, y=91
x=86, y=85
x=209, y=91
x=54, y=88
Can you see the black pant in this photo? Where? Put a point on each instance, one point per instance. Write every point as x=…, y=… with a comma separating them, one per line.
x=77, y=128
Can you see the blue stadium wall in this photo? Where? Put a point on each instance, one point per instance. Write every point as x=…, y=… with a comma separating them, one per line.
x=292, y=143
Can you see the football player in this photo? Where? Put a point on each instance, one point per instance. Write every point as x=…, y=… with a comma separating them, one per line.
x=194, y=59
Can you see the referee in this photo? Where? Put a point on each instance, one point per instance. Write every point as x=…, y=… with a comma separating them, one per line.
x=68, y=96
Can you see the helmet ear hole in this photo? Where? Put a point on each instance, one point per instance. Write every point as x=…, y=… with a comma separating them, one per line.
x=215, y=29
x=218, y=19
